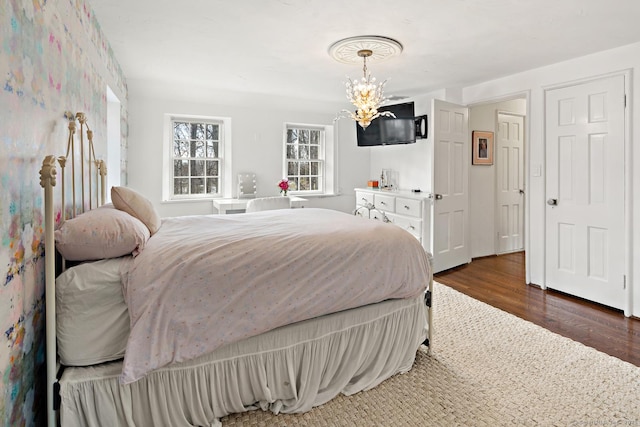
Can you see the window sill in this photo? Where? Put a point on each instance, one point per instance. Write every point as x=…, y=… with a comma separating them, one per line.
x=198, y=200
x=314, y=195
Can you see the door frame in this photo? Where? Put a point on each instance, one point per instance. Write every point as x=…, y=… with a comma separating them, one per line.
x=526, y=95
x=628, y=181
x=524, y=172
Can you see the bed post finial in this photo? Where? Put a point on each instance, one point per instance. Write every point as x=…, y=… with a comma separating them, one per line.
x=102, y=171
x=48, y=181
x=48, y=172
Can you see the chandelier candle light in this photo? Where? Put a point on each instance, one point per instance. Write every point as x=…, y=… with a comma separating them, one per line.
x=365, y=94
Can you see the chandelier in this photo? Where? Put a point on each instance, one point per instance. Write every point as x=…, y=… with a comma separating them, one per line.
x=365, y=94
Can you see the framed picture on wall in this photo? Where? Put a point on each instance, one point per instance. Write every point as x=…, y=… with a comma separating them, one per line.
x=482, y=147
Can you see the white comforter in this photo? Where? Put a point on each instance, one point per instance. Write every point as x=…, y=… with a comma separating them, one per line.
x=206, y=281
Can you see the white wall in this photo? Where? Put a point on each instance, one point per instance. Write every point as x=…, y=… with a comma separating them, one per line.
x=412, y=162
x=535, y=81
x=257, y=131
x=482, y=179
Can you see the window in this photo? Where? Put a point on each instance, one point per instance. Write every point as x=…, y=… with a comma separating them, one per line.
x=196, y=158
x=305, y=158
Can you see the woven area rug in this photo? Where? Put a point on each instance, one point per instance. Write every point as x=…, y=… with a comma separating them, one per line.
x=487, y=368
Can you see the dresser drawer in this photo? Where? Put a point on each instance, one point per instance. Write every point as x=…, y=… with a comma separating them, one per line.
x=378, y=215
x=362, y=198
x=384, y=202
x=412, y=225
x=411, y=207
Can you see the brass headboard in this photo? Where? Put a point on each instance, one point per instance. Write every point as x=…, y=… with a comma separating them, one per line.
x=87, y=195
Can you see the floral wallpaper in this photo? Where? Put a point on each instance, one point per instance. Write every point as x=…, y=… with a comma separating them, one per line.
x=53, y=58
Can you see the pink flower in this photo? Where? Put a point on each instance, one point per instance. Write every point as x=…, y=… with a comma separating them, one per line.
x=284, y=185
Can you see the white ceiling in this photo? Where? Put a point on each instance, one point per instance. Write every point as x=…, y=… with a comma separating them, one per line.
x=281, y=46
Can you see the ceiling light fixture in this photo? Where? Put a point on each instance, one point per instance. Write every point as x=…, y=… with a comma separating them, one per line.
x=365, y=94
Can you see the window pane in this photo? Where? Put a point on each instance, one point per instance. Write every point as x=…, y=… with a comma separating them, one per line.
x=197, y=148
x=212, y=147
x=304, y=168
x=180, y=168
x=292, y=168
x=212, y=168
x=315, y=137
x=197, y=167
x=212, y=185
x=181, y=148
x=304, y=184
x=212, y=132
x=181, y=130
x=292, y=136
x=315, y=166
x=293, y=183
x=313, y=152
x=292, y=151
x=197, y=185
x=303, y=136
x=314, y=183
x=181, y=186
x=198, y=130
x=303, y=151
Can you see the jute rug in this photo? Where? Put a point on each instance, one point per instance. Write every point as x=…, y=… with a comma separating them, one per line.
x=487, y=368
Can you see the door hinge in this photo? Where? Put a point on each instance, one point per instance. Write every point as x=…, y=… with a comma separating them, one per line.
x=624, y=281
x=625, y=101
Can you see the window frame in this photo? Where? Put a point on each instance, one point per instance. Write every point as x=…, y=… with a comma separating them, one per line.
x=324, y=169
x=223, y=157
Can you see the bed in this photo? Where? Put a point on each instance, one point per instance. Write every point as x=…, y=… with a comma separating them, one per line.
x=182, y=321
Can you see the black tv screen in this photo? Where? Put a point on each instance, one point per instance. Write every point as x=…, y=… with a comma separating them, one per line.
x=387, y=130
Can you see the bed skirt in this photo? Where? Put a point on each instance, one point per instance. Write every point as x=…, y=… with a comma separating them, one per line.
x=289, y=369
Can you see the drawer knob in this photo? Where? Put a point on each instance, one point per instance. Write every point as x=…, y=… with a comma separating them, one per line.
x=407, y=207
x=411, y=227
x=382, y=202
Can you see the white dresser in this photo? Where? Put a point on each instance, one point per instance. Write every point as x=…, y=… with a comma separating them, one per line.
x=405, y=209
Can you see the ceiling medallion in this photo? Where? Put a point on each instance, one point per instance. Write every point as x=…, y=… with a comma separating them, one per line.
x=382, y=48
x=365, y=94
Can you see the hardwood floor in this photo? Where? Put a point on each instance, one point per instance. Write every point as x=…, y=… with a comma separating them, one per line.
x=500, y=281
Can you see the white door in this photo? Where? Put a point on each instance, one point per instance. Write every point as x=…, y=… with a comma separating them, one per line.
x=510, y=182
x=585, y=190
x=450, y=186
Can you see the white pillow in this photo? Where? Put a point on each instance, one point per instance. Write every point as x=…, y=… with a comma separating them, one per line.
x=101, y=233
x=137, y=205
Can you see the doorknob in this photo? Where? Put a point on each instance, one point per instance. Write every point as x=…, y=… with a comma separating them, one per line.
x=521, y=191
x=552, y=202
x=438, y=196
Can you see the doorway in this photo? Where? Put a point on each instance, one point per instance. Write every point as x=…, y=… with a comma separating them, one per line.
x=497, y=191
x=510, y=183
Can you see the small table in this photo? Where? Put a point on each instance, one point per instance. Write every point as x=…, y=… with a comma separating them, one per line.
x=227, y=206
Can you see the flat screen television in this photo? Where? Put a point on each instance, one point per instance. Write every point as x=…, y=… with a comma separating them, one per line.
x=387, y=130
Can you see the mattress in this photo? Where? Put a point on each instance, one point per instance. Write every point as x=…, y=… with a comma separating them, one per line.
x=289, y=369
x=92, y=320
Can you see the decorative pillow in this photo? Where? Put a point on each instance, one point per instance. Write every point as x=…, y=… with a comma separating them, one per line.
x=101, y=233
x=137, y=205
